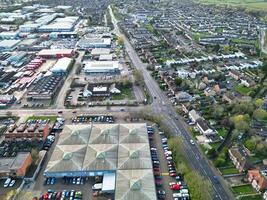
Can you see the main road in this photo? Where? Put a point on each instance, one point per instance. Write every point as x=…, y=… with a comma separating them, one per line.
x=162, y=106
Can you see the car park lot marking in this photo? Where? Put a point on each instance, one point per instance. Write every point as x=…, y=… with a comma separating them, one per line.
x=165, y=174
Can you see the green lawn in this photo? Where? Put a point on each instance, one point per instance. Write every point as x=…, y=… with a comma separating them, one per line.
x=230, y=170
x=52, y=118
x=243, y=90
x=222, y=132
x=126, y=93
x=251, y=197
x=243, y=189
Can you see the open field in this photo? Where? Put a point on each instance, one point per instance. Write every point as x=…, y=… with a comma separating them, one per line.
x=243, y=189
x=250, y=4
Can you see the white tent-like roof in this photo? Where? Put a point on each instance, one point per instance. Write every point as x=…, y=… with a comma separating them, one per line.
x=135, y=185
x=134, y=156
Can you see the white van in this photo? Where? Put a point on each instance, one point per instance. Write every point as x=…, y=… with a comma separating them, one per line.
x=97, y=186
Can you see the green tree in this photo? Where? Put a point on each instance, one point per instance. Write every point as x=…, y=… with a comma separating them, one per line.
x=178, y=81
x=250, y=144
x=120, y=41
x=260, y=114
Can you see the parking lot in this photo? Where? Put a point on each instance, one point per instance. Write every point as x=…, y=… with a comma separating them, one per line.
x=88, y=119
x=5, y=190
x=169, y=183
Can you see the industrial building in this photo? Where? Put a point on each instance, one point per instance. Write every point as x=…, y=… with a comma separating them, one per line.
x=62, y=66
x=56, y=53
x=102, y=67
x=107, y=150
x=94, y=43
x=63, y=24
x=8, y=45
x=46, y=88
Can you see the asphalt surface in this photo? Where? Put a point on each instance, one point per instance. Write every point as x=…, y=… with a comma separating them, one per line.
x=162, y=105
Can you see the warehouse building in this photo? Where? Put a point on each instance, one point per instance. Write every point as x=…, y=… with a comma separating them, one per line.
x=8, y=45
x=46, y=88
x=102, y=67
x=118, y=152
x=64, y=24
x=62, y=66
x=56, y=53
x=94, y=43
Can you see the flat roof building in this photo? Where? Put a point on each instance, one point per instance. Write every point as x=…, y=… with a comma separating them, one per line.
x=8, y=45
x=102, y=67
x=56, y=53
x=62, y=66
x=15, y=166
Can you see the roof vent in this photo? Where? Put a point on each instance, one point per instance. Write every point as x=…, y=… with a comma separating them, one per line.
x=67, y=156
x=133, y=132
x=101, y=155
x=133, y=154
x=135, y=184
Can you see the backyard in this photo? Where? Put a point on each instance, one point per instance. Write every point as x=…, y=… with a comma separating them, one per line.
x=227, y=171
x=243, y=189
x=243, y=90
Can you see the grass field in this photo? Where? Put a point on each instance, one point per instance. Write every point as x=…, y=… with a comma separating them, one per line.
x=243, y=90
x=250, y=4
x=243, y=189
x=230, y=170
x=126, y=93
x=251, y=197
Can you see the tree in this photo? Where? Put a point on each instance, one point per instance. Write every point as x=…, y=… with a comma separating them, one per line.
x=260, y=114
x=250, y=144
x=218, y=111
x=120, y=41
x=259, y=102
x=178, y=81
x=35, y=155
x=241, y=122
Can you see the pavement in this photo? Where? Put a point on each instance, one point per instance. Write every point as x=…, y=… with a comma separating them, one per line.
x=162, y=105
x=60, y=99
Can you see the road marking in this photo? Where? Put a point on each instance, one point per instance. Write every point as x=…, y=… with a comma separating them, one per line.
x=165, y=174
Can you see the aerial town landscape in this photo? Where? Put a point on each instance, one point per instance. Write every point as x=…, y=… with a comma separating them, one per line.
x=133, y=100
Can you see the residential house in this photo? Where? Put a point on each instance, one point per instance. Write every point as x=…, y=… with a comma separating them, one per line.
x=235, y=74
x=239, y=160
x=228, y=97
x=258, y=179
x=183, y=97
x=193, y=115
x=204, y=127
x=247, y=81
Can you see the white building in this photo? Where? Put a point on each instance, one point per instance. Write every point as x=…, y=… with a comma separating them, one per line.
x=102, y=67
x=61, y=66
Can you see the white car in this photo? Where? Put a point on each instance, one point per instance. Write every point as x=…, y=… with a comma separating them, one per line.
x=12, y=183
x=177, y=195
x=192, y=142
x=8, y=180
x=78, y=182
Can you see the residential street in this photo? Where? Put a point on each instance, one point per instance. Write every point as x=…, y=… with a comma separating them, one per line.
x=162, y=105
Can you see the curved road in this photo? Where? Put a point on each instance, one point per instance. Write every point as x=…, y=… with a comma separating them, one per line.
x=163, y=106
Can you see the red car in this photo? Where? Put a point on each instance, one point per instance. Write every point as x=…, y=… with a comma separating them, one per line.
x=45, y=196
x=172, y=174
x=175, y=187
x=156, y=169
